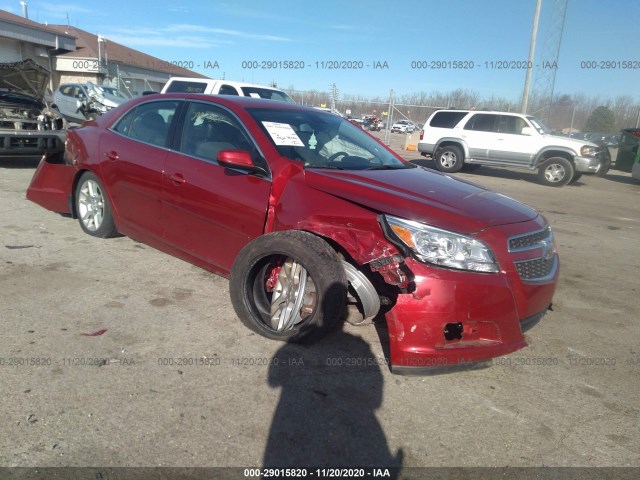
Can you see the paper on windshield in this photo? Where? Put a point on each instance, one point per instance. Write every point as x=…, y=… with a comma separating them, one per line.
x=283, y=134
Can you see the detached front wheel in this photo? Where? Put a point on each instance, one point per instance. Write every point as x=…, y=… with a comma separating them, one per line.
x=288, y=285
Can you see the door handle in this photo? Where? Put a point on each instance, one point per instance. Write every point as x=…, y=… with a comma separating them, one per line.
x=176, y=178
x=112, y=155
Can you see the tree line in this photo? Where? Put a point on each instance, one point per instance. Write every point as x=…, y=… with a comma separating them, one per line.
x=561, y=113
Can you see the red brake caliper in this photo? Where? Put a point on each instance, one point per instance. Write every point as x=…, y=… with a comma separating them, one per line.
x=272, y=276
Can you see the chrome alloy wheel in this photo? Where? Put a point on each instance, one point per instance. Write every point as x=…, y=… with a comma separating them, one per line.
x=555, y=173
x=448, y=159
x=91, y=205
x=294, y=296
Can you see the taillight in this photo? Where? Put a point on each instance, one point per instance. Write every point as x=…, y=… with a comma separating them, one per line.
x=421, y=134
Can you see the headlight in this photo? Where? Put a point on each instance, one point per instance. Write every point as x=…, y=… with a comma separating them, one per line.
x=588, y=151
x=441, y=247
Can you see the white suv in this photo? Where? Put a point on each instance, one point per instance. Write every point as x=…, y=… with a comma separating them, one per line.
x=455, y=138
x=223, y=87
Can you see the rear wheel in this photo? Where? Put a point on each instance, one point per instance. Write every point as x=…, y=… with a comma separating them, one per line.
x=556, y=172
x=449, y=159
x=288, y=285
x=92, y=207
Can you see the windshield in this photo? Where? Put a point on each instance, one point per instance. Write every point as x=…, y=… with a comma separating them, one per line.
x=539, y=126
x=324, y=140
x=111, y=91
x=104, y=89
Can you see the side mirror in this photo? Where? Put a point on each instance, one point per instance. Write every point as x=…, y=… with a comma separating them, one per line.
x=527, y=131
x=240, y=159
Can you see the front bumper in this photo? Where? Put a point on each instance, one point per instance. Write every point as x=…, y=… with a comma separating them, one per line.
x=489, y=312
x=588, y=164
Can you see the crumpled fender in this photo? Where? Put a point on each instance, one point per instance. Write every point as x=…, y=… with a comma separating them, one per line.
x=296, y=206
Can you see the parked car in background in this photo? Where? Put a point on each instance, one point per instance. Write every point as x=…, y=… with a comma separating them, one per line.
x=224, y=87
x=403, y=126
x=77, y=102
x=455, y=138
x=311, y=217
x=371, y=123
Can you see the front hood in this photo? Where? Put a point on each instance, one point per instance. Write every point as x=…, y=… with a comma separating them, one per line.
x=19, y=101
x=25, y=77
x=112, y=100
x=422, y=195
x=572, y=143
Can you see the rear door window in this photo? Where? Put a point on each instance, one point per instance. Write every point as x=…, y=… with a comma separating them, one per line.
x=182, y=86
x=228, y=90
x=149, y=122
x=482, y=122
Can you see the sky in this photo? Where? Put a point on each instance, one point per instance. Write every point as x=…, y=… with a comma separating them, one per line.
x=370, y=47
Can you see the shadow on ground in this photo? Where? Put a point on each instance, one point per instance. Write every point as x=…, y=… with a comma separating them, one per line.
x=326, y=413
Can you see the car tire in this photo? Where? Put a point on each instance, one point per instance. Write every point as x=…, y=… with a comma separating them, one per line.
x=93, y=208
x=449, y=159
x=556, y=172
x=602, y=172
x=288, y=286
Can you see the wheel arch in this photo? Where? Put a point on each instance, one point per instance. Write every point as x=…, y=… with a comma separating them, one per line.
x=452, y=141
x=551, y=152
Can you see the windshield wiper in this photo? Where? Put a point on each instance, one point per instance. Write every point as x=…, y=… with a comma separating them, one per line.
x=387, y=167
x=334, y=167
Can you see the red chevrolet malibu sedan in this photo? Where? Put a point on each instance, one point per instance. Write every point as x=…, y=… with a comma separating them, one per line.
x=311, y=218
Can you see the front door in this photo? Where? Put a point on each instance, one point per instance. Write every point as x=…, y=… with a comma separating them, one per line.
x=510, y=144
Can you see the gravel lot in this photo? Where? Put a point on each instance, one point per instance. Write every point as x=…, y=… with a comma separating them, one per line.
x=176, y=380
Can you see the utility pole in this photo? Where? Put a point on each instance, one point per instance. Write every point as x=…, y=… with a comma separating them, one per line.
x=334, y=97
x=532, y=50
x=387, y=133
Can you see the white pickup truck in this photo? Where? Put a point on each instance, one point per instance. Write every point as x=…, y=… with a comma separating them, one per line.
x=223, y=87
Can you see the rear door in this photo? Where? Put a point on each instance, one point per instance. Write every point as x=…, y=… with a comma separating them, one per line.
x=480, y=135
x=211, y=211
x=135, y=150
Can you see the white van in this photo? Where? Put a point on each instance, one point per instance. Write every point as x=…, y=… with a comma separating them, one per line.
x=223, y=87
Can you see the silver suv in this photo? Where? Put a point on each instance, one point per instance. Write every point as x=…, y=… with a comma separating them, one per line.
x=456, y=138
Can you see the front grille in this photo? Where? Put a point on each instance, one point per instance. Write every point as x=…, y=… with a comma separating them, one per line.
x=536, y=269
x=530, y=240
x=541, y=268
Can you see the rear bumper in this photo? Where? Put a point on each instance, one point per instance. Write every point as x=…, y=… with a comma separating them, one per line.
x=52, y=184
x=426, y=148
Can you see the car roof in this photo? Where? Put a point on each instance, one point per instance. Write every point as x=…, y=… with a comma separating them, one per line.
x=227, y=82
x=493, y=112
x=243, y=102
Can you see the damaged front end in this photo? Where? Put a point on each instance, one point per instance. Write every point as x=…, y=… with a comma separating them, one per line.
x=28, y=127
